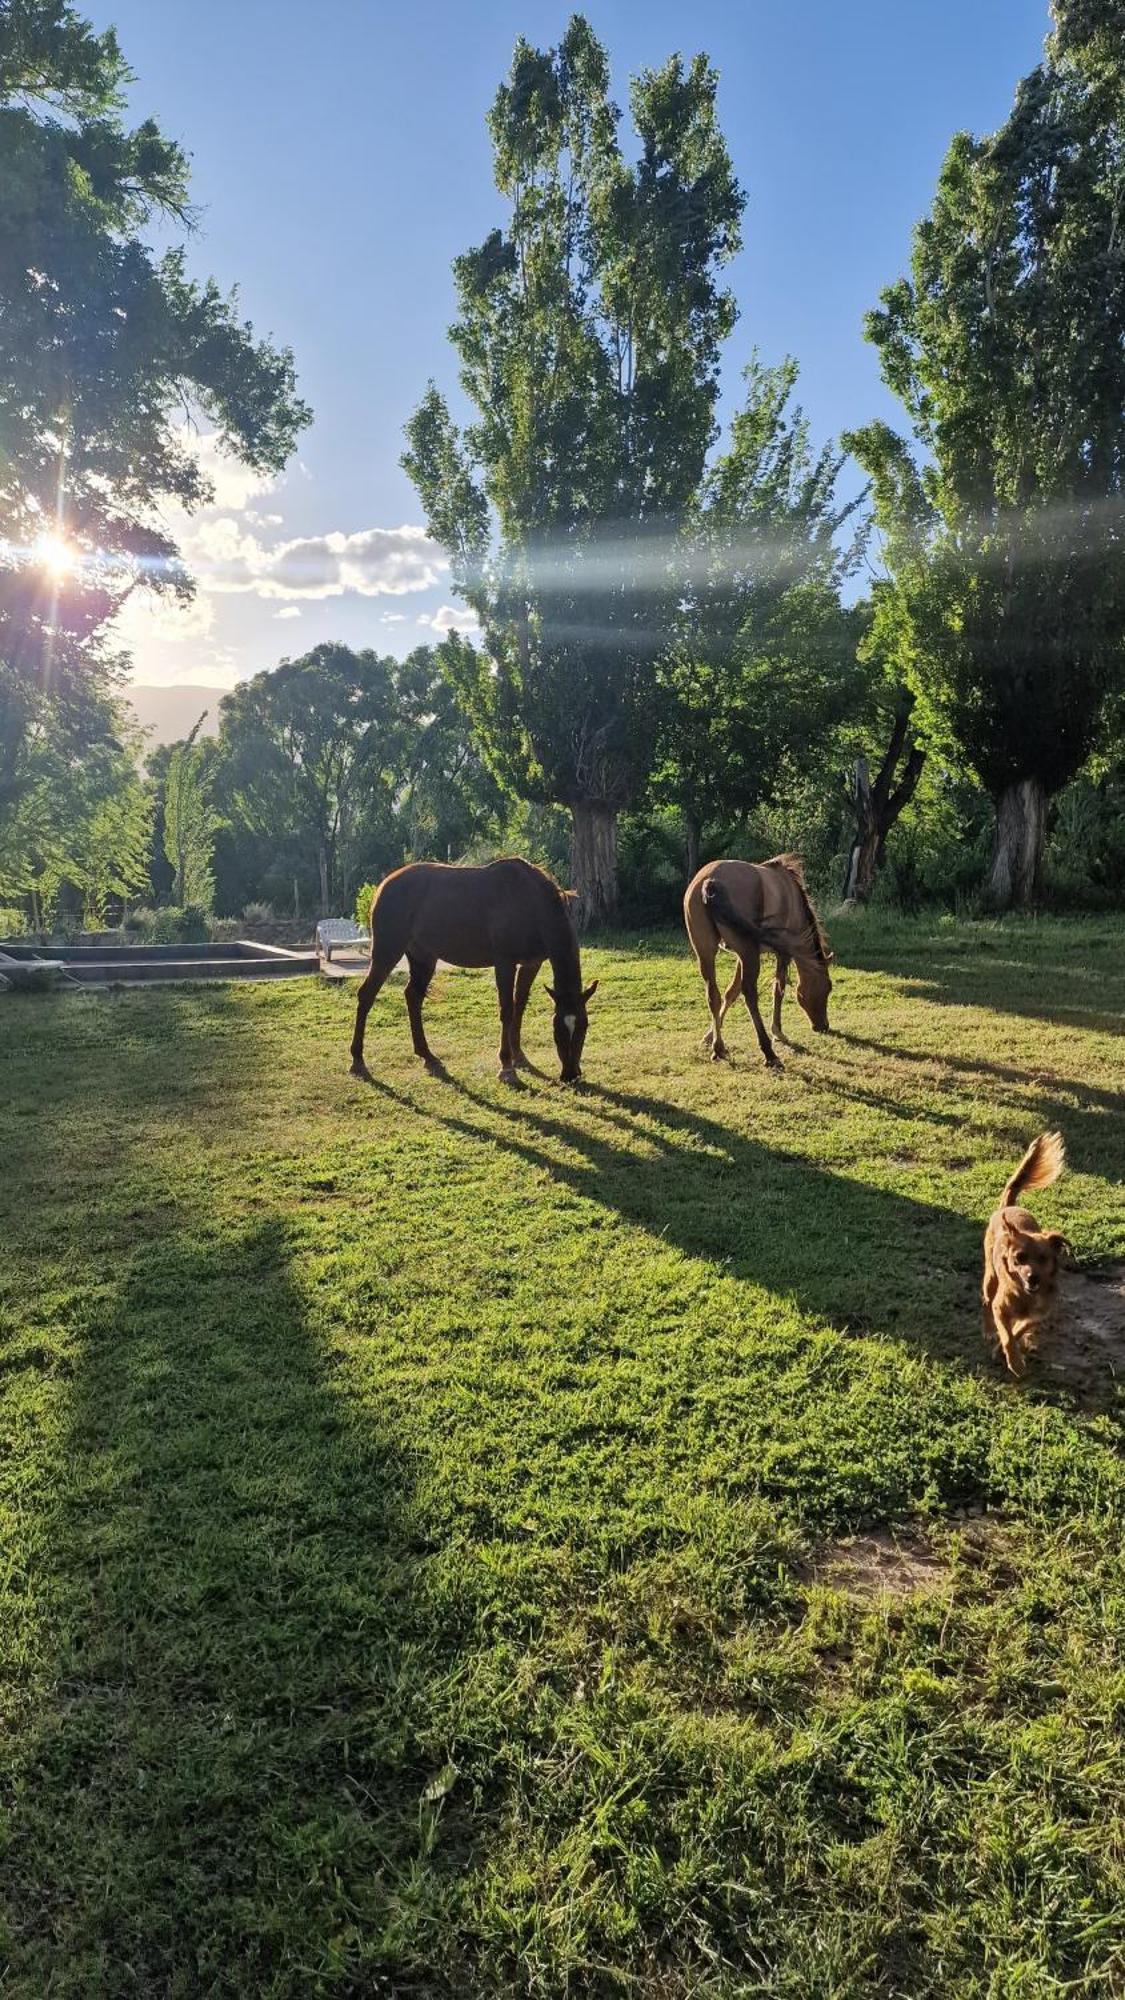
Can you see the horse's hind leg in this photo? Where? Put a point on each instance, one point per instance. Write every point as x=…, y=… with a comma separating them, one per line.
x=505, y=988
x=750, y=969
x=525, y=980
x=781, y=978
x=732, y=992
x=421, y=972
x=382, y=964
x=713, y=1039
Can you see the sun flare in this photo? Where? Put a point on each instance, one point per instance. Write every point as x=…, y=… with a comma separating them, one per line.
x=52, y=554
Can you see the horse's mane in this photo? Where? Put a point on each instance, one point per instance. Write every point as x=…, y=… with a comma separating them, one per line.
x=565, y=896
x=794, y=866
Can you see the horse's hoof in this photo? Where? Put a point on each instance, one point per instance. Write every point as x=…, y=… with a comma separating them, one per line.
x=433, y=1067
x=773, y=1063
x=719, y=1054
x=360, y=1070
x=507, y=1075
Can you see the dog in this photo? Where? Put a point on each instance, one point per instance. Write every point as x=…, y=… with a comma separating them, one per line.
x=1021, y=1261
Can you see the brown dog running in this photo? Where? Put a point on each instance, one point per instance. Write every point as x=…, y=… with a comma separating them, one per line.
x=1021, y=1261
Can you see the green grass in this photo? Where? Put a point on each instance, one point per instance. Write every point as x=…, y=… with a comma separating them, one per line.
x=416, y=1499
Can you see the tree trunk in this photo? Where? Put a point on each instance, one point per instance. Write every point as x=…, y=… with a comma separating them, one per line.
x=1017, y=848
x=692, y=835
x=593, y=861
x=877, y=806
x=859, y=876
x=322, y=860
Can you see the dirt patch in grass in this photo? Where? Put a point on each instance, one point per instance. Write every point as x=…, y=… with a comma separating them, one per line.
x=1085, y=1347
x=888, y=1562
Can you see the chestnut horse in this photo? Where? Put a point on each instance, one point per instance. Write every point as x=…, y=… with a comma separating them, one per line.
x=509, y=915
x=751, y=907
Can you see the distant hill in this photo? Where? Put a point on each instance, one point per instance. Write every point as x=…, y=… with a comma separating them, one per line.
x=167, y=713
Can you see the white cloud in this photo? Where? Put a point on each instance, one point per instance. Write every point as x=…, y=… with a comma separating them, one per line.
x=393, y=618
x=147, y=617
x=288, y=611
x=235, y=485
x=450, y=618
x=373, y=562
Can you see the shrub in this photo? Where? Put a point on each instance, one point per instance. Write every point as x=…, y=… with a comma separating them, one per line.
x=365, y=896
x=13, y=923
x=258, y=913
x=172, y=926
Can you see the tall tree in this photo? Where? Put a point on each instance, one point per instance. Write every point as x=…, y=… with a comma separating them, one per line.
x=589, y=333
x=762, y=666
x=105, y=343
x=1005, y=537
x=190, y=824
x=448, y=797
x=304, y=749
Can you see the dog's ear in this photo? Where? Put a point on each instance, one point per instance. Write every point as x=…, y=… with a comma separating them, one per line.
x=829, y=958
x=1060, y=1244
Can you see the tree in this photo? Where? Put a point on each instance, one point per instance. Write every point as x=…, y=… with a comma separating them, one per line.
x=589, y=333
x=763, y=666
x=305, y=749
x=190, y=825
x=105, y=347
x=448, y=797
x=877, y=806
x=1006, y=543
x=112, y=845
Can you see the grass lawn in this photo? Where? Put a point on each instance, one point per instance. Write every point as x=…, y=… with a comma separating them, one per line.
x=429, y=1509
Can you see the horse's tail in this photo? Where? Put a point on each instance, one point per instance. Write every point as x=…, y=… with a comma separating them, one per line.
x=1041, y=1164
x=722, y=911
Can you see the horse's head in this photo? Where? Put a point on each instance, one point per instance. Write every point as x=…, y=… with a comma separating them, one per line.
x=814, y=984
x=571, y=1023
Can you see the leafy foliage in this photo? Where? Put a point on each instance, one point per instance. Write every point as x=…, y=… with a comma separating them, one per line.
x=589, y=332
x=190, y=824
x=1006, y=537
x=104, y=345
x=763, y=665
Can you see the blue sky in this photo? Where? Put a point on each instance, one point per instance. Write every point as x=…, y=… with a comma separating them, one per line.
x=341, y=161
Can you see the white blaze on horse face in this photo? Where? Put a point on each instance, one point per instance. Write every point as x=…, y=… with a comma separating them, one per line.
x=570, y=1022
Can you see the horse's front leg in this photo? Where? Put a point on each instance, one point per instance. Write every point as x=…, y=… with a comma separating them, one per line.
x=781, y=978
x=421, y=972
x=505, y=989
x=525, y=980
x=377, y=975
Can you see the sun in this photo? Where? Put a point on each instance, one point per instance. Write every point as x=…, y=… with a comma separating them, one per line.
x=54, y=555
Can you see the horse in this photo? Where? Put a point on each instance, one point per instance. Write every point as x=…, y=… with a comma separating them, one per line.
x=507, y=914
x=751, y=906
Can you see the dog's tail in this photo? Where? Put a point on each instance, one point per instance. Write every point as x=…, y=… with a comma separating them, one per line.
x=1041, y=1164
x=722, y=910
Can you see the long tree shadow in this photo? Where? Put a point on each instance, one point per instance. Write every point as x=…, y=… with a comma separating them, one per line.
x=1059, y=980
x=1042, y=1082
x=856, y=1255
x=237, y=1784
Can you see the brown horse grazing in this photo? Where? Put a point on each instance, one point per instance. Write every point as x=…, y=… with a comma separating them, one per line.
x=507, y=914
x=751, y=907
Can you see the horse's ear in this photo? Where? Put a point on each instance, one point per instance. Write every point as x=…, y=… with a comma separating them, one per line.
x=550, y=992
x=590, y=992
x=570, y=894
x=829, y=958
